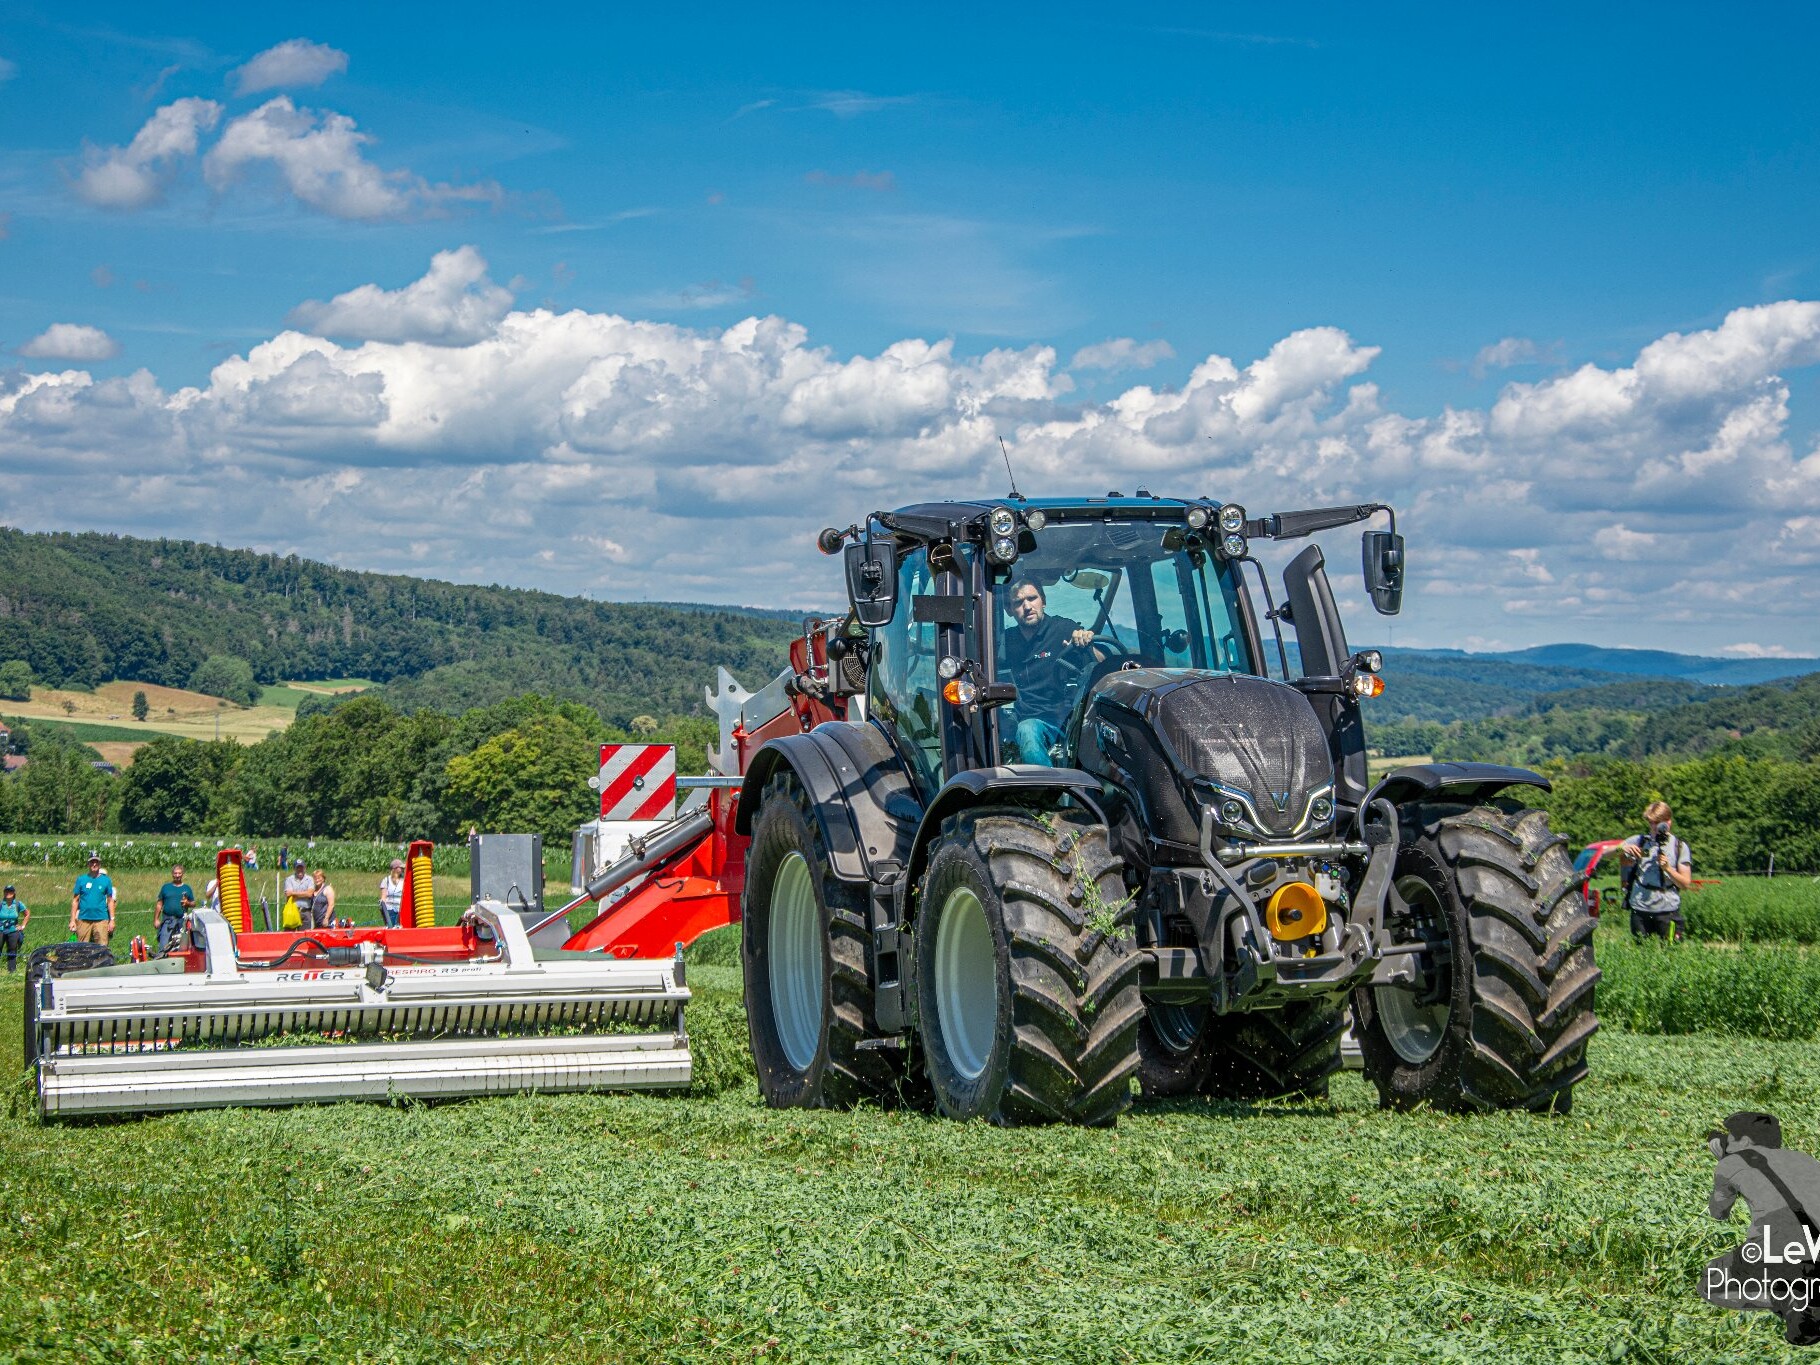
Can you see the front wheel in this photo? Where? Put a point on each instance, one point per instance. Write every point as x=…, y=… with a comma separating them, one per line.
x=1501, y=1007
x=809, y=998
x=1026, y=970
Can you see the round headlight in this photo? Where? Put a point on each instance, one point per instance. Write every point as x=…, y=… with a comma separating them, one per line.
x=1232, y=517
x=948, y=667
x=1232, y=812
x=1036, y=521
x=1002, y=522
x=1322, y=810
x=1234, y=546
x=1197, y=518
x=1004, y=549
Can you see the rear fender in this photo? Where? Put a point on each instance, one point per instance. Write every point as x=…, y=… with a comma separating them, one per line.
x=1469, y=783
x=1018, y=783
x=858, y=790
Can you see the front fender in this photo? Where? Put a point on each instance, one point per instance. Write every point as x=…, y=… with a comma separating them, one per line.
x=1467, y=782
x=1019, y=782
x=858, y=790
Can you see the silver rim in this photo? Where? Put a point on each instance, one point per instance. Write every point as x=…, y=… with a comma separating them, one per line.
x=1414, y=1031
x=966, y=983
x=793, y=949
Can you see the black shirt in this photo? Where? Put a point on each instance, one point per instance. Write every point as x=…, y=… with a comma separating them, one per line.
x=1033, y=660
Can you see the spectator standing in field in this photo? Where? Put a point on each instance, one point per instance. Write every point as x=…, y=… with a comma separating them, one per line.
x=298, y=887
x=284, y=857
x=92, y=904
x=1658, y=867
x=175, y=899
x=322, y=901
x=391, y=895
x=14, y=916
x=252, y=859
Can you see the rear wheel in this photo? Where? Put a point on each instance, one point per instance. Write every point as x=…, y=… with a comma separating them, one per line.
x=1502, y=1008
x=1027, y=976
x=1284, y=1053
x=809, y=1001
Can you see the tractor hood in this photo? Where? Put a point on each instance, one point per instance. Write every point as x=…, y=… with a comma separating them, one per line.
x=1184, y=739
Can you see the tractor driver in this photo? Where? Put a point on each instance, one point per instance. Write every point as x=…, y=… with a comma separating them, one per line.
x=1033, y=657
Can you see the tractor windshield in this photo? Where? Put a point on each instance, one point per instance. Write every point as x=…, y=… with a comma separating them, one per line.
x=1137, y=589
x=1096, y=595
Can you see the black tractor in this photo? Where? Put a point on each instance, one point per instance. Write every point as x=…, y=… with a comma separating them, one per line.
x=1085, y=819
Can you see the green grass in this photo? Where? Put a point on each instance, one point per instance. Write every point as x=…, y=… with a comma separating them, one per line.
x=1757, y=990
x=277, y=694
x=1744, y=909
x=707, y=1228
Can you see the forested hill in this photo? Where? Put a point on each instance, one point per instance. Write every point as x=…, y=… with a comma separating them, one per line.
x=87, y=608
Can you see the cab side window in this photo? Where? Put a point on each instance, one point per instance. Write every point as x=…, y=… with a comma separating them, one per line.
x=902, y=685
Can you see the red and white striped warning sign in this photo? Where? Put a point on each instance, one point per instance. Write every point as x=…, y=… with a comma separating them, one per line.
x=637, y=782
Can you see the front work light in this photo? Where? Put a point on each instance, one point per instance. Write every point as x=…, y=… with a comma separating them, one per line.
x=1197, y=518
x=1002, y=550
x=1232, y=518
x=949, y=667
x=1234, y=546
x=1002, y=522
x=1035, y=520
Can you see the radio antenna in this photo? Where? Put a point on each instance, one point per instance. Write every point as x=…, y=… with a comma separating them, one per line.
x=1008, y=472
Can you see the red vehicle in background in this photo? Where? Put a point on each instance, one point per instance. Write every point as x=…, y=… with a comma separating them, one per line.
x=1587, y=864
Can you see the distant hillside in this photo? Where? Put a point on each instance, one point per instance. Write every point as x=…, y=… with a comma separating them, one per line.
x=1656, y=663
x=84, y=609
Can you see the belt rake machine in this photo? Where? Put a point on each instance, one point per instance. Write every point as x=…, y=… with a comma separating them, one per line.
x=502, y=1000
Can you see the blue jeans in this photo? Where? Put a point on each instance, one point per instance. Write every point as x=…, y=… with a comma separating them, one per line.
x=169, y=926
x=389, y=914
x=1034, y=738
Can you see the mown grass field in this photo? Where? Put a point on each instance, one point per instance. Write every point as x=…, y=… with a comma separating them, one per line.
x=703, y=1227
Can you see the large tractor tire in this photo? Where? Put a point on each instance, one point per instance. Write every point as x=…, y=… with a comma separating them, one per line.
x=1504, y=1010
x=809, y=1000
x=1027, y=970
x=1285, y=1053
x=54, y=959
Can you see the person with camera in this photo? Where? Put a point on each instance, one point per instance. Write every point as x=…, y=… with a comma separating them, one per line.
x=1658, y=867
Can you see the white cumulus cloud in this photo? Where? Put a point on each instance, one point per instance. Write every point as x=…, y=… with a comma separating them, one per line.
x=1121, y=353
x=294, y=62
x=133, y=176
x=625, y=457
x=318, y=156
x=454, y=304
x=71, y=341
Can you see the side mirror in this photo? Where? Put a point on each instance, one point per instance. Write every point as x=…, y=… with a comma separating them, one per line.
x=1383, y=553
x=872, y=581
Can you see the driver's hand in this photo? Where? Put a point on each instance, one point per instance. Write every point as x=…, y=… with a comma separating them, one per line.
x=1083, y=636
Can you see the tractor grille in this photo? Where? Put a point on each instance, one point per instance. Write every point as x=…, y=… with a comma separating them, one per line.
x=1249, y=735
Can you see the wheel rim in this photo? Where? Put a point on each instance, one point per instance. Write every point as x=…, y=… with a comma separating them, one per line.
x=793, y=950
x=1415, y=1031
x=1177, y=1027
x=966, y=983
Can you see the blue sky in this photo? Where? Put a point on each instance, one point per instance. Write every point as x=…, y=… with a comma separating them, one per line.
x=1455, y=208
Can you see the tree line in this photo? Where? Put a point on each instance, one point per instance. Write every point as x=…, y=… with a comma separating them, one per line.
x=87, y=608
x=364, y=770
